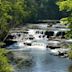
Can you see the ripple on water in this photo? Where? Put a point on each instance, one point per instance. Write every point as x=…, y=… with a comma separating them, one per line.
x=42, y=61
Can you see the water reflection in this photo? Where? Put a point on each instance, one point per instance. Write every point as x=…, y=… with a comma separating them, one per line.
x=42, y=61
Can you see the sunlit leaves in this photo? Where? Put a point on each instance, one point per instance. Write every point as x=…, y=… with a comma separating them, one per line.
x=67, y=20
x=65, y=5
x=4, y=62
x=12, y=13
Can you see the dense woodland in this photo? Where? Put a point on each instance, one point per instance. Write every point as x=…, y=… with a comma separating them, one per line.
x=16, y=12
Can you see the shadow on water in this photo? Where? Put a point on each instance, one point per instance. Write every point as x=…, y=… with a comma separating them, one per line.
x=25, y=63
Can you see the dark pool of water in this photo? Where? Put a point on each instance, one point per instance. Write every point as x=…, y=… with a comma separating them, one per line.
x=42, y=61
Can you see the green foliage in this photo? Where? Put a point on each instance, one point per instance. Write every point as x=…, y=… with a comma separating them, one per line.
x=69, y=35
x=70, y=54
x=12, y=13
x=65, y=20
x=4, y=62
x=2, y=43
x=66, y=5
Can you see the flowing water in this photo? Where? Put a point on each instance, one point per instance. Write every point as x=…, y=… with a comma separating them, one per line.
x=42, y=61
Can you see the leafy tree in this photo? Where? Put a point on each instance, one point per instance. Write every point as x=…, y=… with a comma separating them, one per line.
x=4, y=62
x=66, y=5
x=12, y=13
x=4, y=8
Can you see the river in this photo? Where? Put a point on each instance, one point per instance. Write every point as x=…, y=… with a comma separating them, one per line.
x=42, y=61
